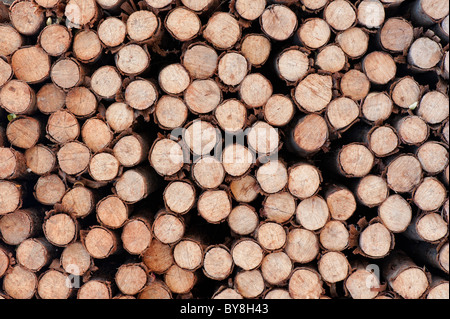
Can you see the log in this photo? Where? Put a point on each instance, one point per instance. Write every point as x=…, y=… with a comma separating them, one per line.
x=362, y=283
x=143, y=26
x=183, y=24
x=379, y=67
x=74, y=158
x=243, y=220
x=62, y=127
x=168, y=228
x=404, y=173
x=12, y=164
x=412, y=130
x=6, y=72
x=309, y=135
x=49, y=189
x=256, y=48
x=355, y=160
x=249, y=283
x=263, y=139
x=20, y=283
x=159, y=4
x=231, y=115
x=217, y=262
x=52, y=284
x=112, y=212
x=304, y=180
x=302, y=245
x=208, y=172
x=430, y=194
x=313, y=93
x=179, y=281
x=200, y=6
x=158, y=257
x=279, y=110
x=50, y=98
x=237, y=159
x=278, y=22
x=396, y=35
x=11, y=198
x=81, y=102
x=342, y=112
x=312, y=213
x=333, y=267
x=432, y=107
x=375, y=241
x=179, y=196
x=255, y=90
x=100, y=242
x=120, y=117
x=170, y=112
x=292, y=64
x=247, y=254
x=334, y=236
x=244, y=189
x=11, y=40
x=35, y=253
x=19, y=225
x=201, y=137
x=249, y=10
x=103, y=167
x=353, y=41
x=314, y=33
x=137, y=271
x=55, y=39
x=433, y=156
x=200, y=60
x=305, y=283
x=75, y=259
x=135, y=184
x=60, y=229
x=67, y=73
x=429, y=227
x=438, y=289
x=404, y=276
x=96, y=134
x=331, y=58
x=341, y=202
x=214, y=206
x=395, y=213
x=188, y=254
x=112, y=31
x=79, y=13
x=174, y=79
x=136, y=234
x=222, y=30
x=272, y=176
x=271, y=236
x=132, y=60
x=202, y=96
x=340, y=15
x=31, y=64
x=428, y=12
x=372, y=190
x=276, y=268
x=106, y=82
x=370, y=13
x=131, y=150
x=95, y=289
x=155, y=290
x=232, y=68
x=424, y=53
x=355, y=85
x=26, y=17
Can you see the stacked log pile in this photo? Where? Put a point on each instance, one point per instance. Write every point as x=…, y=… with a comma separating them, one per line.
x=224, y=149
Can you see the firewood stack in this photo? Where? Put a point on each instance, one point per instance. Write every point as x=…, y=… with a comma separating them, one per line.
x=224, y=149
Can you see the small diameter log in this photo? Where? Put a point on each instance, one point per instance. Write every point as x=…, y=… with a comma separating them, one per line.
x=201, y=137
x=24, y=132
x=272, y=176
x=237, y=160
x=137, y=235
x=376, y=241
x=100, y=242
x=342, y=112
x=170, y=112
x=412, y=130
x=222, y=31
x=67, y=73
x=370, y=14
x=433, y=156
x=50, y=98
x=168, y=228
x=396, y=35
x=96, y=134
x=131, y=150
x=305, y=283
x=17, y=97
x=433, y=107
x=81, y=13
x=334, y=236
x=49, y=189
x=312, y=213
x=26, y=17
x=292, y=65
x=208, y=172
x=188, y=254
x=34, y=253
x=74, y=158
x=174, y=79
x=256, y=49
x=379, y=67
x=55, y=39
x=158, y=257
x=132, y=60
x=155, y=290
x=309, y=135
x=247, y=254
x=395, y=213
x=95, y=289
x=52, y=284
x=354, y=42
x=166, y=157
x=362, y=283
x=112, y=32
x=279, y=22
x=245, y=189
x=106, y=82
x=404, y=276
x=6, y=72
x=279, y=110
x=214, y=206
x=179, y=196
x=232, y=68
x=276, y=268
x=430, y=227
x=314, y=33
x=12, y=164
x=355, y=85
x=424, y=53
x=249, y=283
x=120, y=117
x=135, y=184
x=20, y=283
x=20, y=225
x=231, y=115
x=183, y=24
x=131, y=278
x=217, y=262
x=81, y=102
x=203, y=96
x=141, y=94
x=302, y=245
x=355, y=160
x=31, y=64
x=304, y=180
x=331, y=58
x=372, y=190
x=11, y=40
x=430, y=194
x=62, y=127
x=112, y=212
x=255, y=90
x=200, y=60
x=341, y=202
x=333, y=266
x=143, y=26
x=180, y=281
x=243, y=220
x=406, y=92
x=404, y=173
x=60, y=229
x=340, y=15
x=78, y=201
x=428, y=12
x=313, y=93
x=10, y=197
x=103, y=167
x=271, y=236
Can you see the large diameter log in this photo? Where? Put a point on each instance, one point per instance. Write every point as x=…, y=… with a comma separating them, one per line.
x=404, y=276
x=439, y=289
x=141, y=94
x=166, y=157
x=103, y=167
x=112, y=212
x=355, y=160
x=232, y=68
x=62, y=127
x=31, y=64
x=96, y=134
